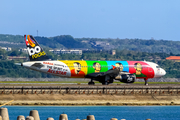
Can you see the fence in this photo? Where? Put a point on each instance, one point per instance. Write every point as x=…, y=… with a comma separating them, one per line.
x=113, y=90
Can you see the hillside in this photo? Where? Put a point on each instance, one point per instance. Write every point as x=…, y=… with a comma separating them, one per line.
x=68, y=42
x=152, y=46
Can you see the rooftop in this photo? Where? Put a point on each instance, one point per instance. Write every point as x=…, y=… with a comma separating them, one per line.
x=173, y=58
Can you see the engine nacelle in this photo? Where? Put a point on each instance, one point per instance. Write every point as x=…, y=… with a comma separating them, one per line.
x=126, y=78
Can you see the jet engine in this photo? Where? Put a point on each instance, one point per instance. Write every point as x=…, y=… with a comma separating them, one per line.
x=126, y=78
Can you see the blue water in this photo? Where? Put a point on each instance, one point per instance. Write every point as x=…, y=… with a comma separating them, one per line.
x=100, y=112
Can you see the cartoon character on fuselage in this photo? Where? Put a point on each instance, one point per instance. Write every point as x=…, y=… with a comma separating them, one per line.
x=103, y=71
x=138, y=68
x=119, y=66
x=97, y=67
x=76, y=72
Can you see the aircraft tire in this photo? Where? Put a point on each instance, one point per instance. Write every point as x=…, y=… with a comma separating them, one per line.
x=91, y=83
x=105, y=83
x=146, y=84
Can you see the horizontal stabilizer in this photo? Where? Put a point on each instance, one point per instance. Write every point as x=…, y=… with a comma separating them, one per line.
x=17, y=63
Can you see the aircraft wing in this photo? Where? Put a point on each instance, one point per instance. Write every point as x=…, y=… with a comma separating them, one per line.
x=109, y=76
x=112, y=73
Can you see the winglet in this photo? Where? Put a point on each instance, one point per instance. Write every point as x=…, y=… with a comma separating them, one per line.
x=113, y=67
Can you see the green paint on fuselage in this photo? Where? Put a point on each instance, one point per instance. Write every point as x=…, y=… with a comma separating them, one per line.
x=97, y=66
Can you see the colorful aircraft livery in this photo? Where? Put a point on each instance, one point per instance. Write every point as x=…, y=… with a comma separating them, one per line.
x=34, y=50
x=103, y=71
x=81, y=68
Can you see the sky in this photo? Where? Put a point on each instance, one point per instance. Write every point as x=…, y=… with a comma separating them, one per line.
x=143, y=19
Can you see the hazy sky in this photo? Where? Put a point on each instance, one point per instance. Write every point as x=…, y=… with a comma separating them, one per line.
x=142, y=19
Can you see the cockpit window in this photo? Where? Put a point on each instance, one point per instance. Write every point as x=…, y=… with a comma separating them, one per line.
x=157, y=67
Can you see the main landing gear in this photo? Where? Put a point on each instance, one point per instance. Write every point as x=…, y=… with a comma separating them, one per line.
x=107, y=80
x=91, y=82
x=146, y=81
x=105, y=83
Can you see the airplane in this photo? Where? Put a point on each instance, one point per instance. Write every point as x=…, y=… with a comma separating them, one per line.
x=103, y=71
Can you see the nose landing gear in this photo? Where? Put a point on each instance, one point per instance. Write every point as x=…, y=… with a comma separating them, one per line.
x=146, y=81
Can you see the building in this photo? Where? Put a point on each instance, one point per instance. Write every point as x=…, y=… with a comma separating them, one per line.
x=113, y=52
x=6, y=48
x=174, y=58
x=23, y=50
x=17, y=58
x=63, y=51
x=77, y=52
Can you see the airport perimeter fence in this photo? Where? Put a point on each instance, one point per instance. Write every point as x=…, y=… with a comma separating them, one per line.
x=92, y=90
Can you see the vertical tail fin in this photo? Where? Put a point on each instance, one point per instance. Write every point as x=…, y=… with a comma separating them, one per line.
x=35, y=52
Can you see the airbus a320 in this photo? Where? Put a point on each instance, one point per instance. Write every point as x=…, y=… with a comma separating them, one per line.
x=105, y=72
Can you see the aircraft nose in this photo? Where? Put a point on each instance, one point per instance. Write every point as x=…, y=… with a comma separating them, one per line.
x=163, y=72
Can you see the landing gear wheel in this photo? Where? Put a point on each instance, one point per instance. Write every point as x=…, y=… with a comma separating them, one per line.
x=91, y=83
x=105, y=83
x=146, y=84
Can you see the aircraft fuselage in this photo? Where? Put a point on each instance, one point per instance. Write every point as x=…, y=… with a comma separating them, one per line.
x=80, y=68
